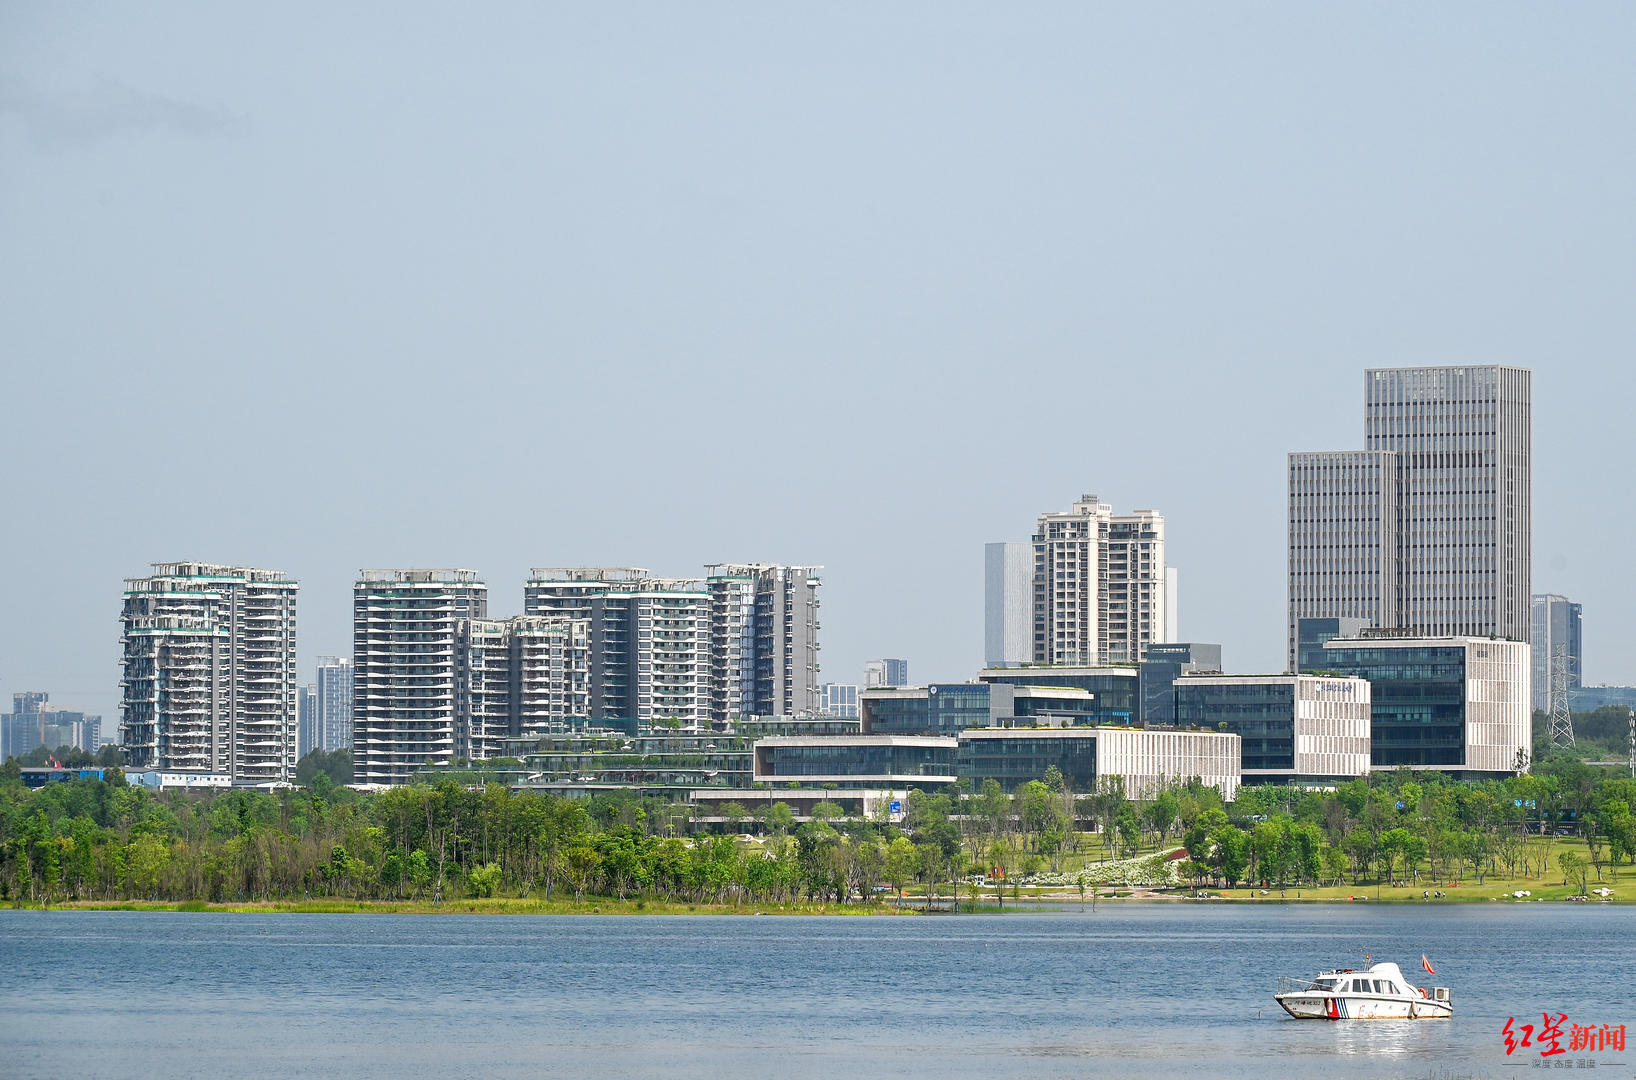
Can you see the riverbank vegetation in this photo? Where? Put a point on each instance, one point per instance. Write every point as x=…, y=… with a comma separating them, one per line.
x=1566, y=828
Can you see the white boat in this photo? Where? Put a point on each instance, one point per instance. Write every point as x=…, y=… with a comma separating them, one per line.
x=1377, y=993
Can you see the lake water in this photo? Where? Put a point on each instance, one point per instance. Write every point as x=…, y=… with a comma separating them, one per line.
x=1130, y=990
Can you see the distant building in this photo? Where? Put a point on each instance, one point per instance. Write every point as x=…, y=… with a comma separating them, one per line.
x=1428, y=528
x=1115, y=690
x=1158, y=673
x=839, y=699
x=1302, y=729
x=1311, y=635
x=886, y=673
x=949, y=708
x=763, y=638
x=1099, y=585
x=858, y=761
x=406, y=631
x=1591, y=698
x=1008, y=604
x=1556, y=627
x=1145, y=761
x=332, y=704
x=306, y=728
x=1456, y=704
x=208, y=671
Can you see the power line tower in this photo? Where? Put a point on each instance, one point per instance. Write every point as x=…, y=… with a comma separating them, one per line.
x=1562, y=721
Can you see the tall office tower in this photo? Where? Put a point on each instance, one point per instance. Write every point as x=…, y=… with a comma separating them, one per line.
x=1099, y=585
x=886, y=673
x=1556, y=628
x=1428, y=528
x=334, y=703
x=209, y=671
x=763, y=639
x=650, y=638
x=1343, y=539
x=306, y=725
x=1008, y=602
x=405, y=632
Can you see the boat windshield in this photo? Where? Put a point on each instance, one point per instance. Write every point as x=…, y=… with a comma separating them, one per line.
x=1323, y=984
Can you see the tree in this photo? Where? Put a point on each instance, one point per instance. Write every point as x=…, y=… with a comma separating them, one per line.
x=901, y=861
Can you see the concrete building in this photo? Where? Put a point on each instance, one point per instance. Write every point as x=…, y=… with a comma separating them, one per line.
x=886, y=673
x=406, y=632
x=1008, y=604
x=839, y=699
x=34, y=723
x=1099, y=585
x=1114, y=690
x=1556, y=628
x=1455, y=704
x=1156, y=676
x=650, y=639
x=1301, y=729
x=208, y=671
x=1428, y=527
x=333, y=703
x=306, y=725
x=1146, y=761
x=764, y=639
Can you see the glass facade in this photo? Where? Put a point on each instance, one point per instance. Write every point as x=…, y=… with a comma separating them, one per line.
x=1262, y=715
x=946, y=709
x=1418, y=713
x=1312, y=634
x=1015, y=758
x=858, y=762
x=1116, y=690
x=1157, y=678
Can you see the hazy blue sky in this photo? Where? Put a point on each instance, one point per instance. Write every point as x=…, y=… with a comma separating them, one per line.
x=502, y=286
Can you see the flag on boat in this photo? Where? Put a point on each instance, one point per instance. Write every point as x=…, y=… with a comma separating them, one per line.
x=1427, y=965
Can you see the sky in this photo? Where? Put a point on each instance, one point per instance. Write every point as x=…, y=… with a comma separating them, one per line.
x=320, y=287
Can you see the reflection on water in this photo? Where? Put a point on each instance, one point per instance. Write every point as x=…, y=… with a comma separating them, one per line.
x=1167, y=990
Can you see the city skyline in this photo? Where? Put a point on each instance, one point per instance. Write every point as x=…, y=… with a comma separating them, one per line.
x=865, y=227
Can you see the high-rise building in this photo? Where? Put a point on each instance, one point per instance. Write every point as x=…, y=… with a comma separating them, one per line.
x=333, y=704
x=1428, y=527
x=1099, y=585
x=208, y=678
x=650, y=639
x=306, y=727
x=406, y=627
x=886, y=673
x=763, y=639
x=1008, y=604
x=1556, y=629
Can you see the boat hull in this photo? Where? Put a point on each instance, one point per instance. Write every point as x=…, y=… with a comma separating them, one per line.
x=1321, y=1006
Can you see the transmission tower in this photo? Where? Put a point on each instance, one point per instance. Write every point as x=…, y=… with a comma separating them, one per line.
x=1562, y=721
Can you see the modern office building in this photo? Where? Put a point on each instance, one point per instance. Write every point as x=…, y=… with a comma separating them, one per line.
x=839, y=699
x=1300, y=729
x=1099, y=585
x=1156, y=676
x=886, y=673
x=764, y=639
x=1311, y=635
x=650, y=639
x=406, y=633
x=858, y=761
x=1115, y=691
x=208, y=666
x=1556, y=640
x=1455, y=704
x=333, y=703
x=949, y=708
x=34, y=723
x=1591, y=698
x=1146, y=761
x=1428, y=527
x=1008, y=604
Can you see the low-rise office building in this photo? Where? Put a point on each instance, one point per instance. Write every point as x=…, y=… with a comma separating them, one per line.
x=858, y=761
x=1116, y=690
x=950, y=708
x=1145, y=760
x=1459, y=705
x=1303, y=729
